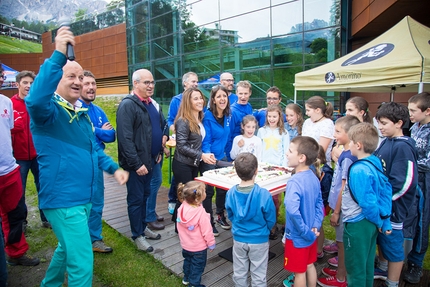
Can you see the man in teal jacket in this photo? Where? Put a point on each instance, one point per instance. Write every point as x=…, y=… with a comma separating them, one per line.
x=69, y=160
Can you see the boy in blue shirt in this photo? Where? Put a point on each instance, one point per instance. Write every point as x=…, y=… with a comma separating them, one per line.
x=419, y=114
x=304, y=213
x=399, y=156
x=366, y=206
x=252, y=213
x=341, y=128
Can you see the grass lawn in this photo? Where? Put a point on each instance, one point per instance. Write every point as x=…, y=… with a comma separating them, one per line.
x=9, y=45
x=126, y=266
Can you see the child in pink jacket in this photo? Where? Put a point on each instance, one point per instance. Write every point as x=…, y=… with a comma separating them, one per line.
x=195, y=231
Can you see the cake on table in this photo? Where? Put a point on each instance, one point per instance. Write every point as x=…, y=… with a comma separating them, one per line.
x=269, y=176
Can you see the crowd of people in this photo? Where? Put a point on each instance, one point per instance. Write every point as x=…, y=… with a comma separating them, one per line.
x=375, y=197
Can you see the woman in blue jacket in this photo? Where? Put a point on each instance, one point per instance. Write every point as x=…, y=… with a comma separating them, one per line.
x=217, y=126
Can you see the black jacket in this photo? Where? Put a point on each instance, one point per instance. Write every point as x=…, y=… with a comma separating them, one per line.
x=134, y=132
x=188, y=144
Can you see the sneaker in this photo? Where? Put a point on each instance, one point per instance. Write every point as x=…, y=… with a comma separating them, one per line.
x=101, y=247
x=329, y=272
x=380, y=274
x=413, y=274
x=223, y=221
x=142, y=244
x=331, y=248
x=333, y=261
x=215, y=231
x=331, y=281
x=24, y=260
x=185, y=282
x=149, y=234
x=289, y=282
x=320, y=255
x=46, y=224
x=171, y=207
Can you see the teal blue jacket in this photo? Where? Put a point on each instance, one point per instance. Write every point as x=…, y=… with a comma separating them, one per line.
x=68, y=155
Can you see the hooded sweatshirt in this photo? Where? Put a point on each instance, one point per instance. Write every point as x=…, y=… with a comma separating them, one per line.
x=421, y=135
x=252, y=214
x=399, y=158
x=194, y=228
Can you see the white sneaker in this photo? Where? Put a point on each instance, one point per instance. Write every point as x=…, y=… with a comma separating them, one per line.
x=185, y=282
x=142, y=244
x=149, y=234
x=171, y=207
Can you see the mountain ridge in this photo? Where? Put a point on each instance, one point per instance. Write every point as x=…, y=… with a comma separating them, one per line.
x=48, y=10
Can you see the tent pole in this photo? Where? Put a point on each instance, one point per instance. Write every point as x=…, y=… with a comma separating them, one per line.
x=295, y=96
x=420, y=87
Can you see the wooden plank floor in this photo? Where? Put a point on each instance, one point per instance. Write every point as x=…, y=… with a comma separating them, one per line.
x=218, y=271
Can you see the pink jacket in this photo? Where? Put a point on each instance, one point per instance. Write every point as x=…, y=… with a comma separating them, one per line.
x=194, y=228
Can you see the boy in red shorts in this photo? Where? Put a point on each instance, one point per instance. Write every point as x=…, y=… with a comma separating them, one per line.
x=304, y=213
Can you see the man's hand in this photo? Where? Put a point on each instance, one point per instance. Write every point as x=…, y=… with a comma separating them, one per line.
x=64, y=36
x=142, y=170
x=164, y=140
x=166, y=152
x=107, y=126
x=121, y=176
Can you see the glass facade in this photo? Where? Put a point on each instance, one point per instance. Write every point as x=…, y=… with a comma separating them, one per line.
x=263, y=41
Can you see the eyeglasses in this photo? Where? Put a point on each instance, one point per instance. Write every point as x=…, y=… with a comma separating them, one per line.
x=228, y=80
x=272, y=99
x=147, y=83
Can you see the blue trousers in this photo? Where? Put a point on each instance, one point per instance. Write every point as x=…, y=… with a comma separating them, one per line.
x=173, y=193
x=25, y=167
x=194, y=265
x=97, y=200
x=155, y=186
x=74, y=253
x=138, y=191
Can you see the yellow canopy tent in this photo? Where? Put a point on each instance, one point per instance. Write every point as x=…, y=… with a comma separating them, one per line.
x=398, y=60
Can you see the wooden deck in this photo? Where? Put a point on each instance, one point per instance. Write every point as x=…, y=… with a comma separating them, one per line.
x=218, y=271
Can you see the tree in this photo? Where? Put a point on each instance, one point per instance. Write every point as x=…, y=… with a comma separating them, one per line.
x=81, y=14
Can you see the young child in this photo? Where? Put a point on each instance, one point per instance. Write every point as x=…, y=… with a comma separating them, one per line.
x=195, y=231
x=338, y=277
x=400, y=158
x=304, y=213
x=252, y=214
x=366, y=206
x=248, y=141
x=419, y=114
x=295, y=120
x=275, y=141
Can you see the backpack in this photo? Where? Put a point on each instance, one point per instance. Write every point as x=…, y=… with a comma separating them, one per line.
x=382, y=176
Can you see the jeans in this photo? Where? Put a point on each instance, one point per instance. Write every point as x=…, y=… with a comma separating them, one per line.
x=74, y=252
x=138, y=191
x=155, y=186
x=97, y=200
x=3, y=269
x=26, y=166
x=194, y=265
x=173, y=194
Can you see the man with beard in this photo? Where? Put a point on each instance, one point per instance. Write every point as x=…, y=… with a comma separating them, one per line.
x=104, y=133
x=227, y=80
x=22, y=140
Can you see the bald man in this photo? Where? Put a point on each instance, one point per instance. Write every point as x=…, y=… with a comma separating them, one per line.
x=227, y=80
x=142, y=134
x=69, y=161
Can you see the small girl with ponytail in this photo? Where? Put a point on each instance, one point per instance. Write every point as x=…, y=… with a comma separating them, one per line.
x=195, y=231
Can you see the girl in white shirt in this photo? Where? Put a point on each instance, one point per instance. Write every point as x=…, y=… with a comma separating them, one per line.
x=247, y=141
